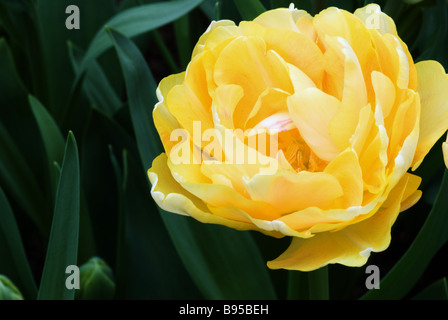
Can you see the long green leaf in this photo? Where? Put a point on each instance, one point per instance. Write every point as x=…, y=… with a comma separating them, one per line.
x=146, y=257
x=54, y=148
x=249, y=9
x=435, y=291
x=52, y=138
x=141, y=88
x=13, y=253
x=184, y=47
x=138, y=20
x=224, y=263
x=96, y=85
x=432, y=236
x=63, y=244
x=20, y=182
x=52, y=38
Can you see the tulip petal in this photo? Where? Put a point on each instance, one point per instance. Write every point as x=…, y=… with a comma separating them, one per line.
x=433, y=91
x=284, y=19
x=170, y=196
x=312, y=111
x=295, y=191
x=164, y=121
x=405, y=119
x=254, y=69
x=445, y=152
x=196, y=80
x=270, y=102
x=195, y=182
x=373, y=18
x=298, y=50
x=199, y=47
x=225, y=100
x=350, y=246
x=346, y=169
x=186, y=107
x=354, y=96
x=334, y=22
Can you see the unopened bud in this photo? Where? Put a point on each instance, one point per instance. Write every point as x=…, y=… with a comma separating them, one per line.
x=8, y=291
x=96, y=281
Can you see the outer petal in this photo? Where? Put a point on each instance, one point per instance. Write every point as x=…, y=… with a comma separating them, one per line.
x=192, y=179
x=282, y=18
x=373, y=18
x=295, y=191
x=203, y=39
x=433, y=91
x=170, y=196
x=445, y=152
x=350, y=246
x=164, y=121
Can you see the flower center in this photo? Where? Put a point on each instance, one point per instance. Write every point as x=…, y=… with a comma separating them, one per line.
x=298, y=153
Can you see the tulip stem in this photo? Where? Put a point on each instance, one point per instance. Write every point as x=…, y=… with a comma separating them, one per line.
x=318, y=284
x=297, y=285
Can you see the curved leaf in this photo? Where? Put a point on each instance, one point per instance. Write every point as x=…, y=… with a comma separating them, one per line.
x=51, y=137
x=137, y=20
x=13, y=252
x=63, y=244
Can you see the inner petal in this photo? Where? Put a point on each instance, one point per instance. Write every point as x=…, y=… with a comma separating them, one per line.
x=246, y=62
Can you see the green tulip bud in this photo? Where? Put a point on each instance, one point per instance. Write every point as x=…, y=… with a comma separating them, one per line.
x=96, y=281
x=8, y=291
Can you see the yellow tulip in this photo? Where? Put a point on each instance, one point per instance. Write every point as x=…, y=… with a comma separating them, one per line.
x=349, y=112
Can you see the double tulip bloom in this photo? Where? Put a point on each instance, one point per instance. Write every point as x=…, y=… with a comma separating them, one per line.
x=349, y=110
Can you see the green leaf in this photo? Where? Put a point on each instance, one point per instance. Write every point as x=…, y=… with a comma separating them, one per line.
x=20, y=24
x=412, y=1
x=13, y=252
x=318, y=284
x=52, y=139
x=141, y=90
x=208, y=7
x=96, y=85
x=62, y=248
x=138, y=20
x=53, y=36
x=298, y=285
x=182, y=32
x=435, y=291
x=249, y=9
x=140, y=227
x=20, y=182
x=22, y=156
x=207, y=251
x=54, y=148
x=432, y=236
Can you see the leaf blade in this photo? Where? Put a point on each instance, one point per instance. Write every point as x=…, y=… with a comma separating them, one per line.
x=137, y=20
x=249, y=9
x=63, y=244
x=12, y=250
